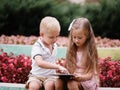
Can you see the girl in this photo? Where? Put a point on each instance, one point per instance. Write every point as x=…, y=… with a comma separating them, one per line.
x=81, y=57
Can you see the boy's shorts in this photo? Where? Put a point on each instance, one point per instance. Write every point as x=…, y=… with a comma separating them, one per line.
x=41, y=79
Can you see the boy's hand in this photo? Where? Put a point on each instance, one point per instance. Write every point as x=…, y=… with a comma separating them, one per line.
x=63, y=70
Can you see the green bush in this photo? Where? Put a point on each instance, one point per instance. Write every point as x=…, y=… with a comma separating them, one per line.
x=23, y=16
x=107, y=19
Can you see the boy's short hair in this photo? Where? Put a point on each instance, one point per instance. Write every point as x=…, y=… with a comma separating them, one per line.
x=49, y=23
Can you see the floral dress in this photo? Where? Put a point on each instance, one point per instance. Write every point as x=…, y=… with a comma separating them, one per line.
x=91, y=84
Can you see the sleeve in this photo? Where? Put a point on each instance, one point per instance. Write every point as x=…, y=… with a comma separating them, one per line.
x=36, y=50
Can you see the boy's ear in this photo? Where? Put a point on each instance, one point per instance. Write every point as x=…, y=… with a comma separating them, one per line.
x=41, y=34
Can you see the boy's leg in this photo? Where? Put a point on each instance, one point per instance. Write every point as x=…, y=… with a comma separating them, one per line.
x=49, y=84
x=33, y=84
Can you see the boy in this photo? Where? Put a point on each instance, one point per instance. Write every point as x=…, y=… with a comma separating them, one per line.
x=44, y=56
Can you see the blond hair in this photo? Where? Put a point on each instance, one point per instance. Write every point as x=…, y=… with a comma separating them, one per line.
x=90, y=55
x=49, y=23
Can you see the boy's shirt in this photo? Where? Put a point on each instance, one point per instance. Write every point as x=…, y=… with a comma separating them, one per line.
x=39, y=49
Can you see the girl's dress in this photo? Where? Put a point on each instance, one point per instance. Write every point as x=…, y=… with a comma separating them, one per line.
x=91, y=84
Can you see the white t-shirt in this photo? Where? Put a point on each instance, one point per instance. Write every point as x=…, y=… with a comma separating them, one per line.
x=39, y=49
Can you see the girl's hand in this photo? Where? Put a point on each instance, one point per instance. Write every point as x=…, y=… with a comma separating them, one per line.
x=77, y=77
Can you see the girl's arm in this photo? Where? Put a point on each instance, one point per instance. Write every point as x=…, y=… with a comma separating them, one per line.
x=83, y=77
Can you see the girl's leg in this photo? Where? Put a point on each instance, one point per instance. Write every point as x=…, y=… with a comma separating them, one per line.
x=73, y=85
x=59, y=85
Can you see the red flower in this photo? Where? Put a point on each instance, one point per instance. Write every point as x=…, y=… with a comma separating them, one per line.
x=14, y=69
x=109, y=72
x=4, y=79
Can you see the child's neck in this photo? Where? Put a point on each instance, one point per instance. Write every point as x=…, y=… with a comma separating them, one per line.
x=79, y=49
x=49, y=46
x=45, y=44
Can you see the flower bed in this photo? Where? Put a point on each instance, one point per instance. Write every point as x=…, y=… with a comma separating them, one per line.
x=15, y=69
x=109, y=72
x=19, y=39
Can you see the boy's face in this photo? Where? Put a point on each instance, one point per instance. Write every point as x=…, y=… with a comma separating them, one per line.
x=50, y=37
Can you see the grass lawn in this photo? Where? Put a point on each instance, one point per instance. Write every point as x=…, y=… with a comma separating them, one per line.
x=112, y=52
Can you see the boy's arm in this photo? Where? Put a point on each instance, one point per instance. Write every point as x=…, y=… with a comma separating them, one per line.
x=47, y=65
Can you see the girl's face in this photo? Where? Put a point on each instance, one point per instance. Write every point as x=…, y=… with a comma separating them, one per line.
x=49, y=38
x=79, y=37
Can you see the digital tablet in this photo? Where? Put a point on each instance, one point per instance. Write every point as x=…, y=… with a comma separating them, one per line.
x=67, y=76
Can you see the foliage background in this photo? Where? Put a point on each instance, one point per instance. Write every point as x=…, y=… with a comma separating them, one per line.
x=23, y=16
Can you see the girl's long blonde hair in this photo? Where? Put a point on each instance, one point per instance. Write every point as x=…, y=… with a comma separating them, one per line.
x=90, y=55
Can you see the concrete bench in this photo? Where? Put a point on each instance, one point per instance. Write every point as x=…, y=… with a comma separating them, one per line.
x=12, y=86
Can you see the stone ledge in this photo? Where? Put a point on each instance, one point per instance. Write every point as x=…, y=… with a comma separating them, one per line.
x=23, y=86
x=12, y=85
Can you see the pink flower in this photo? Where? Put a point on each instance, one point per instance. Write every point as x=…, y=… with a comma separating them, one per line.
x=4, y=66
x=11, y=66
x=4, y=79
x=19, y=70
x=109, y=74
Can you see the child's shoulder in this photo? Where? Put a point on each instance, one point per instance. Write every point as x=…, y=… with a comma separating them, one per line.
x=38, y=43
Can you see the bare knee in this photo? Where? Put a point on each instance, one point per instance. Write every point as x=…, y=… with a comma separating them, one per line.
x=59, y=84
x=72, y=85
x=49, y=85
x=34, y=85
